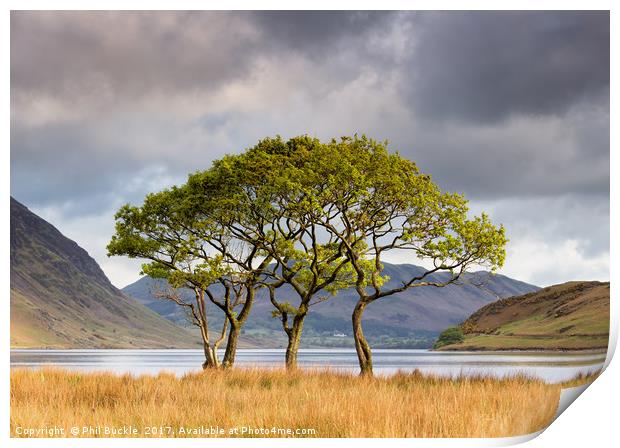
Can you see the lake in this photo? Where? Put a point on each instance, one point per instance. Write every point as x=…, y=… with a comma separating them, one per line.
x=549, y=367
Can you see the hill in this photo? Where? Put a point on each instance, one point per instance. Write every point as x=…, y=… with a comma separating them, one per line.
x=570, y=316
x=411, y=319
x=60, y=297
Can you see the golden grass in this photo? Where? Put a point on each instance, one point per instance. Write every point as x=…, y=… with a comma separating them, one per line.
x=330, y=404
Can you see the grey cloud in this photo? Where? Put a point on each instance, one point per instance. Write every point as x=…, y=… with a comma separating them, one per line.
x=127, y=54
x=583, y=218
x=520, y=157
x=511, y=109
x=480, y=66
x=79, y=165
x=319, y=33
x=486, y=66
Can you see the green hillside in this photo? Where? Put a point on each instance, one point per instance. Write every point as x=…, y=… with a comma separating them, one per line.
x=570, y=316
x=60, y=297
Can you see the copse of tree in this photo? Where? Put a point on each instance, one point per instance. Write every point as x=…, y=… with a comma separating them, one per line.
x=320, y=217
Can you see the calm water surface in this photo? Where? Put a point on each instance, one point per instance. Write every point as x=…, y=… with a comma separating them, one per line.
x=549, y=367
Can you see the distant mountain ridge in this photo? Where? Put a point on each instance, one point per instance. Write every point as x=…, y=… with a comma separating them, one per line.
x=60, y=297
x=410, y=319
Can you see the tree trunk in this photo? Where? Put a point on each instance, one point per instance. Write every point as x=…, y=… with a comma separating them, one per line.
x=200, y=314
x=235, y=327
x=364, y=354
x=294, y=337
x=231, y=345
x=211, y=360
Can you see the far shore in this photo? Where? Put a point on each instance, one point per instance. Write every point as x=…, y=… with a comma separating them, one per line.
x=489, y=350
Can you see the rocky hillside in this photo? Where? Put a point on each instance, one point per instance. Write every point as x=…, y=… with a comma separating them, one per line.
x=60, y=297
x=570, y=316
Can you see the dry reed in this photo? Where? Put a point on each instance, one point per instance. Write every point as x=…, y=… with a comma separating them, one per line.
x=328, y=403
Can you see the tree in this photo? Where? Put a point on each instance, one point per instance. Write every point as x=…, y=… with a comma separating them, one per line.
x=191, y=255
x=380, y=202
x=308, y=273
x=451, y=335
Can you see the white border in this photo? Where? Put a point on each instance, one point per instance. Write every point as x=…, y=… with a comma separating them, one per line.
x=592, y=420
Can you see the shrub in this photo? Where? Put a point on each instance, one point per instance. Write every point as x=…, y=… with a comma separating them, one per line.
x=452, y=335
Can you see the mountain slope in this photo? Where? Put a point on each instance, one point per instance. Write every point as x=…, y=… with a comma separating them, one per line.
x=570, y=316
x=409, y=319
x=61, y=298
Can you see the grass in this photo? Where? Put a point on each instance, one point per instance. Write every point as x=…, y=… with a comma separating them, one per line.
x=324, y=403
x=588, y=321
x=485, y=342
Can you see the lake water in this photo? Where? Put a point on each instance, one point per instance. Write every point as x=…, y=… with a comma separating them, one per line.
x=549, y=367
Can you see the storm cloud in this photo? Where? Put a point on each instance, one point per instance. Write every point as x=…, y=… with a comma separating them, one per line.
x=510, y=108
x=488, y=66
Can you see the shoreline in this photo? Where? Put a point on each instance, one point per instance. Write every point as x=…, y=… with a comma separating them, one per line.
x=523, y=350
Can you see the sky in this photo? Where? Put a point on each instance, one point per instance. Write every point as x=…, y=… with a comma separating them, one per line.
x=509, y=108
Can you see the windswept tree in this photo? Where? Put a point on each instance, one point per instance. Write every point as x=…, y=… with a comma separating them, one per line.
x=195, y=256
x=375, y=203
